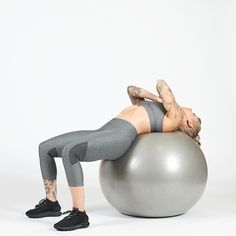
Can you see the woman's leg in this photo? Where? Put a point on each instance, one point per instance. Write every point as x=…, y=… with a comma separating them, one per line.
x=50, y=149
x=75, y=177
x=77, y=195
x=110, y=142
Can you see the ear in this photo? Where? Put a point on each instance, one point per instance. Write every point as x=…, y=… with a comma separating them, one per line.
x=190, y=123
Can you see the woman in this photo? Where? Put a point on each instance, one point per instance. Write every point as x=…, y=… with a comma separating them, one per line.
x=111, y=141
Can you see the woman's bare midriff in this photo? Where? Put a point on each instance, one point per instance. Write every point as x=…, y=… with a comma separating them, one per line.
x=137, y=116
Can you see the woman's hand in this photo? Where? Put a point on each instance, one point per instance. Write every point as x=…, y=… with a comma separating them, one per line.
x=138, y=94
x=157, y=99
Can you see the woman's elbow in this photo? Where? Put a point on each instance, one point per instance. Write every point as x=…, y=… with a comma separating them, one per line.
x=130, y=87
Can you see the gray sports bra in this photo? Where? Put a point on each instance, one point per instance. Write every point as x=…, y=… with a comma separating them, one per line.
x=156, y=112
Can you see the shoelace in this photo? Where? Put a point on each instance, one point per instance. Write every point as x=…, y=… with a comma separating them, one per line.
x=41, y=203
x=72, y=212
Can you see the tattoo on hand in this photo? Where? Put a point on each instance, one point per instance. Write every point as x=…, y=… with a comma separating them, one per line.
x=135, y=91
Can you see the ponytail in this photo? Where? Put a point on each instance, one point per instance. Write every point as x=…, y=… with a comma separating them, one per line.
x=197, y=140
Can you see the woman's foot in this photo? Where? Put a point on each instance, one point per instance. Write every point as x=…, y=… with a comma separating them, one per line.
x=75, y=220
x=45, y=208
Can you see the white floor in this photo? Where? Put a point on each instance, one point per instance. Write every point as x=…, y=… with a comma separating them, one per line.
x=215, y=213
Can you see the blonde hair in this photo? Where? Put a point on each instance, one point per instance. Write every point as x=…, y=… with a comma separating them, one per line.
x=192, y=131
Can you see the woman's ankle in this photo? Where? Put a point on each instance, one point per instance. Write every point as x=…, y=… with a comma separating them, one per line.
x=51, y=199
x=79, y=208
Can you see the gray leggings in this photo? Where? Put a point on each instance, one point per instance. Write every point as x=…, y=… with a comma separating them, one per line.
x=109, y=142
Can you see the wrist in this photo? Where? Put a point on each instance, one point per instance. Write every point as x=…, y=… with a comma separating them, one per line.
x=158, y=99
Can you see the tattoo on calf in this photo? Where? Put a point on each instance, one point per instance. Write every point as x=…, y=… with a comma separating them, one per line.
x=55, y=192
x=50, y=187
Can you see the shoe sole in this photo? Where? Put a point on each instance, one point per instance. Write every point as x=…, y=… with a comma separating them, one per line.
x=83, y=225
x=46, y=214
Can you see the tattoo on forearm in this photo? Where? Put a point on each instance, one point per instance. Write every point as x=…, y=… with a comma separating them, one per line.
x=177, y=112
x=163, y=87
x=165, y=94
x=160, y=86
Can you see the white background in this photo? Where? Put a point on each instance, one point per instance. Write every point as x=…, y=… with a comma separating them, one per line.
x=65, y=65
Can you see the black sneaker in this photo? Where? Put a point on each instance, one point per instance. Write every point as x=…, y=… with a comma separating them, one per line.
x=45, y=208
x=75, y=220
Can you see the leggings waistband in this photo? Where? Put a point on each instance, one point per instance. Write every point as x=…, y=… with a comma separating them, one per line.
x=120, y=124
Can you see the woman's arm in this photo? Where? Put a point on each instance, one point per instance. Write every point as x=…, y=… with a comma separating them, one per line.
x=137, y=94
x=169, y=102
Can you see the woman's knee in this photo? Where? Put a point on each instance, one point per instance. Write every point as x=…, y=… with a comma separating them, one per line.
x=42, y=148
x=46, y=148
x=74, y=152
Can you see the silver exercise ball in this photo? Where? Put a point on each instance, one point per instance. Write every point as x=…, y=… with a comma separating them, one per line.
x=161, y=175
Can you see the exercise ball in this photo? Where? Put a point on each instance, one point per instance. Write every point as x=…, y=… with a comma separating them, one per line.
x=160, y=175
